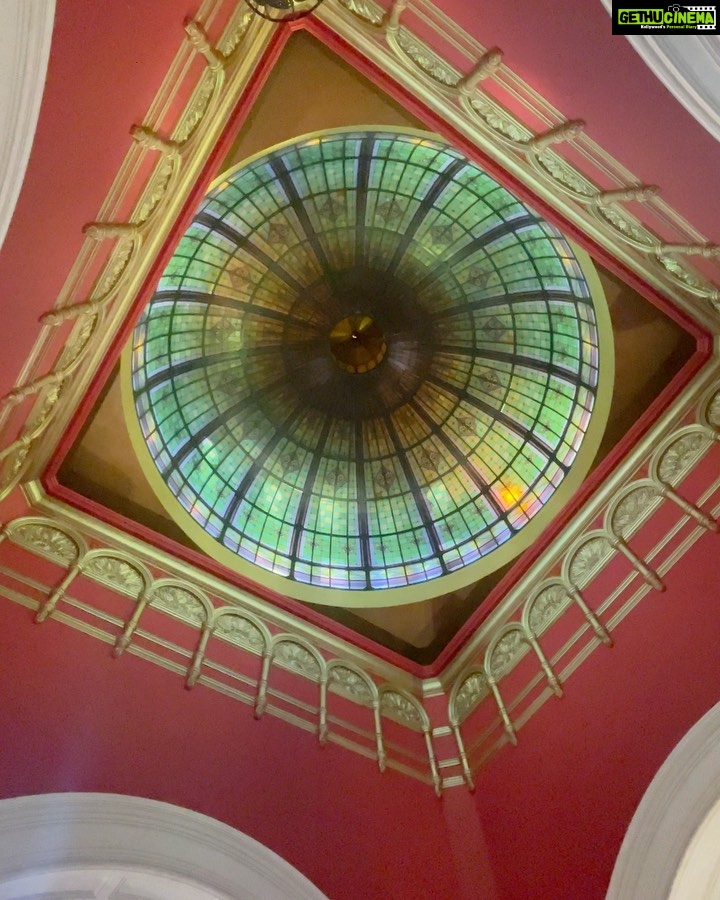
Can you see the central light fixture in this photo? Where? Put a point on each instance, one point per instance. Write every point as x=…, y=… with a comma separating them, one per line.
x=357, y=344
x=283, y=10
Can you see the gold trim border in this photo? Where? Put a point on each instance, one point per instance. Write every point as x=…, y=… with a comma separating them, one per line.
x=471, y=684
x=71, y=334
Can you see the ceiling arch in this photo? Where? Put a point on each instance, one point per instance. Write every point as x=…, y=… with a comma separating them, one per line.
x=135, y=845
x=24, y=49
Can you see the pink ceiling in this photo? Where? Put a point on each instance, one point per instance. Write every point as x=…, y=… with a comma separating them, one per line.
x=71, y=721
x=108, y=60
x=547, y=817
x=553, y=810
x=567, y=52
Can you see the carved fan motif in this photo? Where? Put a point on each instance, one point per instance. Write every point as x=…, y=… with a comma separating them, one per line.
x=501, y=123
x=48, y=541
x=240, y=630
x=295, y=656
x=395, y=706
x=179, y=602
x=115, y=572
x=713, y=410
x=676, y=460
x=473, y=689
x=631, y=508
x=430, y=64
x=506, y=651
x=546, y=606
x=588, y=559
x=349, y=683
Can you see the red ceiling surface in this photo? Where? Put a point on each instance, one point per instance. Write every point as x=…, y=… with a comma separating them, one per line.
x=548, y=816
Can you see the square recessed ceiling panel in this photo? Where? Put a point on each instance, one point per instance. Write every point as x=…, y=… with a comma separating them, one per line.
x=355, y=342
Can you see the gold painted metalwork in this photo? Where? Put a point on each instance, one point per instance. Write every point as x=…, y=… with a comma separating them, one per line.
x=672, y=452
x=357, y=675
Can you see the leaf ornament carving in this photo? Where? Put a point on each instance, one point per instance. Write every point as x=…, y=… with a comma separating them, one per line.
x=46, y=541
x=631, y=508
x=633, y=231
x=565, y=174
x=402, y=710
x=119, y=261
x=684, y=275
x=498, y=121
x=240, y=630
x=472, y=690
x=197, y=108
x=345, y=681
x=116, y=573
x=506, y=651
x=179, y=602
x=45, y=407
x=230, y=41
x=430, y=64
x=78, y=342
x=588, y=558
x=713, y=410
x=546, y=606
x=680, y=456
x=10, y=467
x=298, y=658
x=156, y=190
x=363, y=11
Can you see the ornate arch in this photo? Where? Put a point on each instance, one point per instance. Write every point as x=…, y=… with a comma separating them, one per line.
x=148, y=843
x=660, y=844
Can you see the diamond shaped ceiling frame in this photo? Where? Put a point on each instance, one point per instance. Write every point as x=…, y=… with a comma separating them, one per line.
x=574, y=196
x=445, y=460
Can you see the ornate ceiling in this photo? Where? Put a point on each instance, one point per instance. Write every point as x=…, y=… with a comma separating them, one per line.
x=177, y=152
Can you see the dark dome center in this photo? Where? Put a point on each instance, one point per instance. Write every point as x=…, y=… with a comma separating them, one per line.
x=357, y=344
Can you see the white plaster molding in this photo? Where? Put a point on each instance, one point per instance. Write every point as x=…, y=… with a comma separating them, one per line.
x=24, y=49
x=689, y=67
x=699, y=873
x=100, y=883
x=671, y=826
x=109, y=845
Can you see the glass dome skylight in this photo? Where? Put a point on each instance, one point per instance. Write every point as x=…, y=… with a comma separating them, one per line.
x=367, y=366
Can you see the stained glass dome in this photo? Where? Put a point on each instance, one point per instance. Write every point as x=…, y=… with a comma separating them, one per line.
x=368, y=366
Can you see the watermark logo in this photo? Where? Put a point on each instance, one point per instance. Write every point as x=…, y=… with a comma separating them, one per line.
x=665, y=19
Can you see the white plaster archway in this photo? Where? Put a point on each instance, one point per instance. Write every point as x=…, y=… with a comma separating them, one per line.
x=672, y=847
x=689, y=67
x=105, y=846
x=24, y=48
x=699, y=872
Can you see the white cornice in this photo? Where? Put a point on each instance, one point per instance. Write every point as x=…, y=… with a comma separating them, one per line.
x=24, y=49
x=149, y=845
x=689, y=67
x=679, y=802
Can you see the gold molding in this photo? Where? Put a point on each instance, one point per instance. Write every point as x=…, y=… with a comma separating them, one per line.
x=71, y=337
x=524, y=153
x=72, y=330
x=81, y=547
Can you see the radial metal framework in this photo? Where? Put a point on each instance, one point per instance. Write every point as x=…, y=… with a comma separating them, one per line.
x=367, y=365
